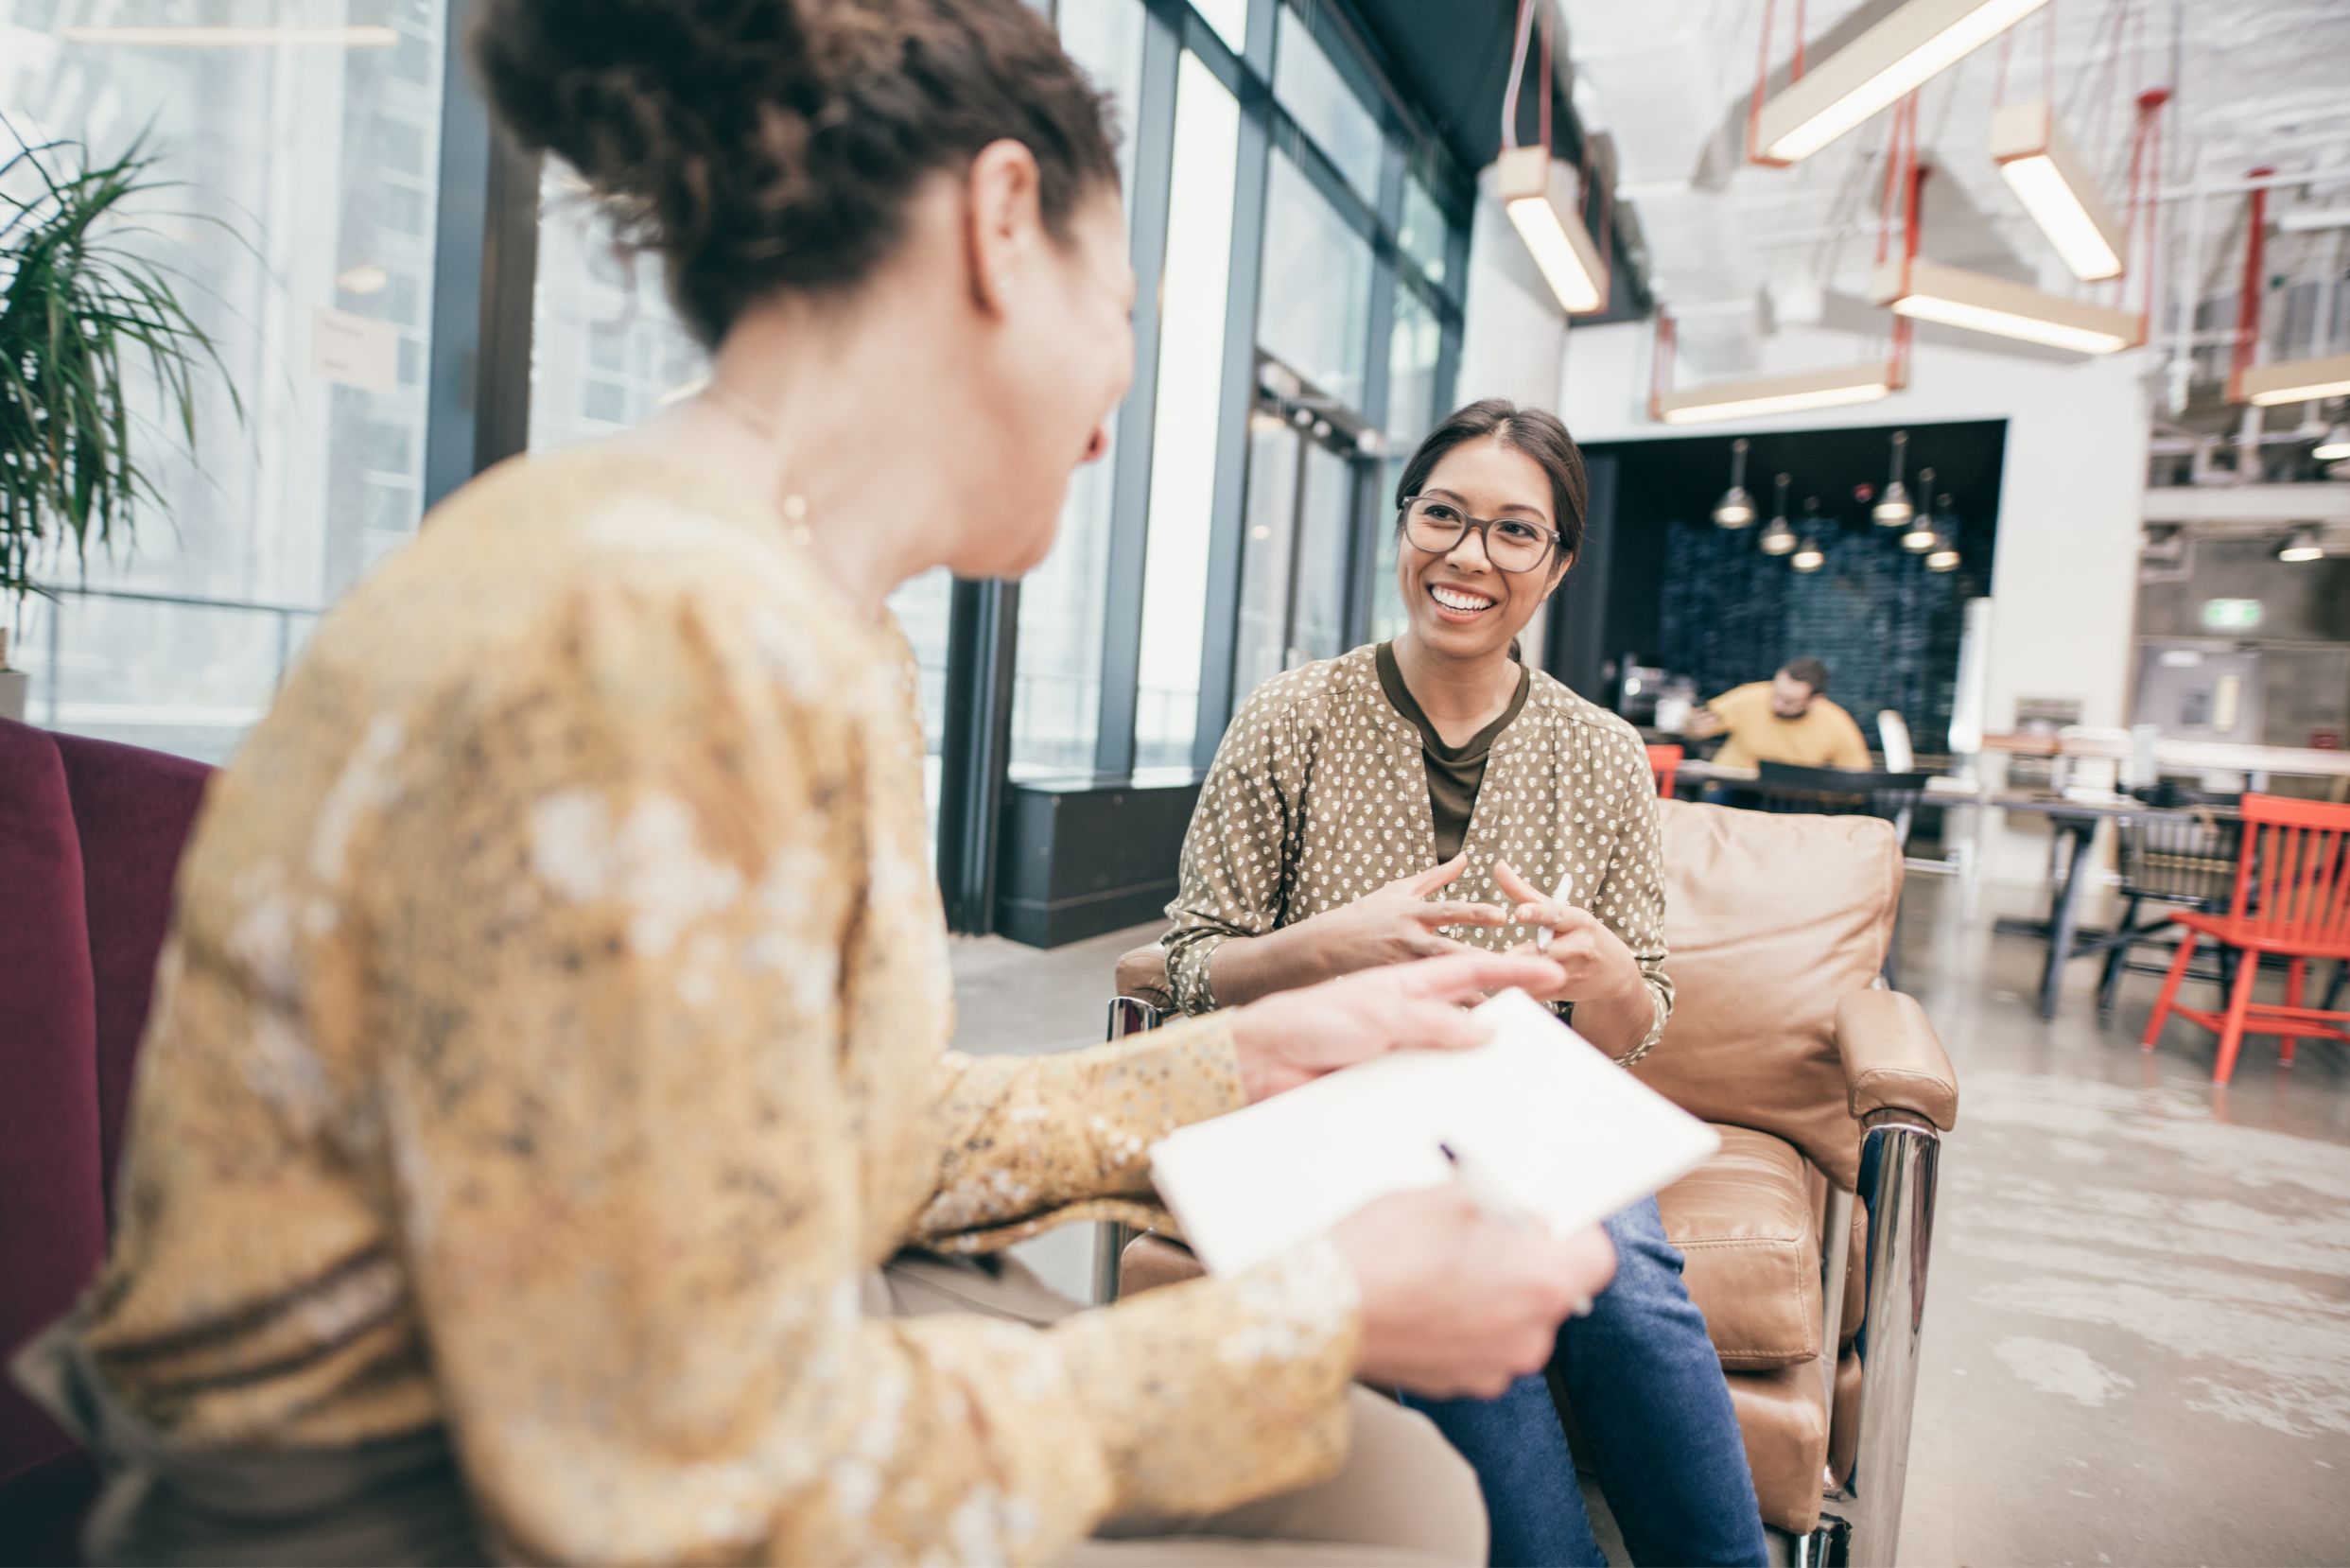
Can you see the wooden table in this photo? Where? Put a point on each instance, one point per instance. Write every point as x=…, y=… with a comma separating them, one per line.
x=2202, y=756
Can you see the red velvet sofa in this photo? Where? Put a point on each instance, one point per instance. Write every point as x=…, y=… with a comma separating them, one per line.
x=90, y=838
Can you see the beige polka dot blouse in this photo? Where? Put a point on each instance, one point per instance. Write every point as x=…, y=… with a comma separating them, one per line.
x=1319, y=795
x=552, y=1035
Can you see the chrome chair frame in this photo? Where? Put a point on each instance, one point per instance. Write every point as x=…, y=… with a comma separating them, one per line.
x=1900, y=1157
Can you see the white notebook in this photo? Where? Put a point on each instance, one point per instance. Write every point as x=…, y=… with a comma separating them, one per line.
x=1566, y=1134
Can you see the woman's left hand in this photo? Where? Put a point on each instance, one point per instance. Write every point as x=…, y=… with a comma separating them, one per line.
x=1593, y=963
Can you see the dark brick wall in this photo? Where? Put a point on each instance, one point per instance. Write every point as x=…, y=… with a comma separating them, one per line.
x=1886, y=628
x=1700, y=601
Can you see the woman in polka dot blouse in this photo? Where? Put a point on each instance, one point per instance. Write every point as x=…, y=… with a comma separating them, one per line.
x=1434, y=793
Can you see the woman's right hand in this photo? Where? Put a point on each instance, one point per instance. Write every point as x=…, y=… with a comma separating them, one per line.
x=1395, y=924
x=1456, y=1303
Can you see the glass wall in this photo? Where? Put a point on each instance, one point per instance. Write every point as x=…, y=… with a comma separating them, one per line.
x=300, y=237
x=1057, y=675
x=307, y=142
x=1315, y=317
x=1194, y=286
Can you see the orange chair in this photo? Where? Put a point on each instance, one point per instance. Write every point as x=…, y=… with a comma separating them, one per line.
x=2292, y=899
x=1664, y=761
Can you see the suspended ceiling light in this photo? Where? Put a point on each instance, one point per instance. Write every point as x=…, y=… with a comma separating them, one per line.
x=1808, y=555
x=1541, y=200
x=234, y=38
x=1920, y=537
x=1894, y=509
x=365, y=278
x=2049, y=179
x=1932, y=292
x=1736, y=508
x=1912, y=44
x=1777, y=538
x=2297, y=380
x=1778, y=394
x=2301, y=544
x=2335, y=443
x=1945, y=558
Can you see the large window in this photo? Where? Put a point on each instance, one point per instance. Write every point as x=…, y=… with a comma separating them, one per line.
x=1414, y=352
x=1056, y=701
x=1315, y=314
x=606, y=350
x=1311, y=87
x=1183, y=445
x=303, y=216
x=307, y=138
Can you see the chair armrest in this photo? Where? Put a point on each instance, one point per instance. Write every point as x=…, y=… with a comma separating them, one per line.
x=1892, y=1058
x=1152, y=1260
x=1143, y=974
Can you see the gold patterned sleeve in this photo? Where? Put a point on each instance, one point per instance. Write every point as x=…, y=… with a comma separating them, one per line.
x=1236, y=852
x=1629, y=899
x=1026, y=1137
x=606, y=1085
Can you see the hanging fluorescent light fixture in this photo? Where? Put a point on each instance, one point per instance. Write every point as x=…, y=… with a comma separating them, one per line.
x=2052, y=183
x=1914, y=43
x=2334, y=445
x=1820, y=389
x=1928, y=291
x=1736, y=508
x=2297, y=380
x=2301, y=544
x=1541, y=199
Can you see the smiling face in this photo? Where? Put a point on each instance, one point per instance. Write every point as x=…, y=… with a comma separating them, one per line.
x=1459, y=603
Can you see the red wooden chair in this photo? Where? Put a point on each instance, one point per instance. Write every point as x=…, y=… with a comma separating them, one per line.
x=2292, y=899
x=1664, y=761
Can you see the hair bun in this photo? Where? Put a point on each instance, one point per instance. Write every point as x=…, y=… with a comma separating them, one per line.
x=759, y=145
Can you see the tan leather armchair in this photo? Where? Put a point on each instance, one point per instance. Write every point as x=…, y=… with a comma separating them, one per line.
x=1831, y=1095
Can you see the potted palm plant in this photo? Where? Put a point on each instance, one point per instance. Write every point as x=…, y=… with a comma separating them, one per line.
x=83, y=315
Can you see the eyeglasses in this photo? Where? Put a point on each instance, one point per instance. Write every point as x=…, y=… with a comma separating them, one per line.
x=1512, y=544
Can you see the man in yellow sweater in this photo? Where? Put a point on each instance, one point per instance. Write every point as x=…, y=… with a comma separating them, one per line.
x=1785, y=719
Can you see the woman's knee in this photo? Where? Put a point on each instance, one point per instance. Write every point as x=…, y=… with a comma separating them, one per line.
x=1400, y=1454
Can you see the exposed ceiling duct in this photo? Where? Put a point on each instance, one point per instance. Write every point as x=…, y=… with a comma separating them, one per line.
x=1649, y=75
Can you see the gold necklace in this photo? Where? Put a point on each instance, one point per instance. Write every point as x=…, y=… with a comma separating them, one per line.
x=793, y=505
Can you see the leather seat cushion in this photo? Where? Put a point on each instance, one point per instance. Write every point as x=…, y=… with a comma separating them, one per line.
x=1743, y=1225
x=1783, y=1414
x=1771, y=921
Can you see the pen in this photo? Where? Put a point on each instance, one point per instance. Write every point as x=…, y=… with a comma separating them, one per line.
x=1566, y=891
x=1492, y=1201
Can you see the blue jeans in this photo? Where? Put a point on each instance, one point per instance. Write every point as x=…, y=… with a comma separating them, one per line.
x=1647, y=1392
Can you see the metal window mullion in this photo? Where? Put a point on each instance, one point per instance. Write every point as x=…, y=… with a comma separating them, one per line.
x=485, y=280
x=1130, y=481
x=1236, y=399
x=1363, y=522
x=975, y=750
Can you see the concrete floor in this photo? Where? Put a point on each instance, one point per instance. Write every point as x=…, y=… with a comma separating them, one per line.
x=2137, y=1336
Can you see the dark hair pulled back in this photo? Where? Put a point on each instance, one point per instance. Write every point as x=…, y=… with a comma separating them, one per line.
x=760, y=146
x=1535, y=432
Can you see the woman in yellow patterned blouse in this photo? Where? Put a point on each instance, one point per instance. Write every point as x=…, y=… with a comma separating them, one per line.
x=548, y=1053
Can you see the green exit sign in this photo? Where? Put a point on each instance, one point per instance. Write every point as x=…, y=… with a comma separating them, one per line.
x=2231, y=615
